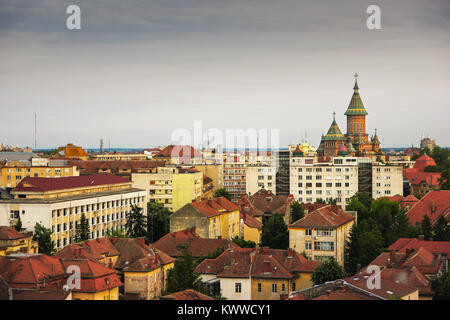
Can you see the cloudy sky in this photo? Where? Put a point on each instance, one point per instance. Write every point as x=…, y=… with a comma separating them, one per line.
x=139, y=69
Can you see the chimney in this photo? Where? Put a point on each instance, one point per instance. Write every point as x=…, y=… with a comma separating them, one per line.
x=388, y=262
x=433, y=207
x=156, y=258
x=421, y=237
x=290, y=252
x=110, y=265
x=266, y=266
x=392, y=257
x=358, y=268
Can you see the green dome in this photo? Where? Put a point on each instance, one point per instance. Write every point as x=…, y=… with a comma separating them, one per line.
x=334, y=133
x=356, y=106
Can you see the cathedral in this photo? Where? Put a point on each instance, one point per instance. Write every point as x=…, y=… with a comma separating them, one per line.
x=356, y=141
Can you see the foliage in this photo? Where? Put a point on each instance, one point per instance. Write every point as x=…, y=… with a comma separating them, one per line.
x=427, y=228
x=136, y=224
x=182, y=276
x=328, y=270
x=364, y=244
x=244, y=243
x=441, y=230
x=275, y=233
x=211, y=255
x=222, y=192
x=82, y=232
x=355, y=205
x=158, y=223
x=297, y=211
x=18, y=225
x=320, y=200
x=43, y=236
x=441, y=286
x=332, y=201
x=115, y=233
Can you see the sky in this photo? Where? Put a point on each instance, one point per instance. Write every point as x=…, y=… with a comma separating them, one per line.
x=138, y=70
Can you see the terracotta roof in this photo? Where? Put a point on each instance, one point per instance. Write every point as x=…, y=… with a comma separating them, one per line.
x=434, y=204
x=172, y=243
x=95, y=249
x=327, y=216
x=344, y=293
x=250, y=221
x=215, y=206
x=187, y=294
x=435, y=247
x=424, y=161
x=417, y=177
x=9, y=233
x=90, y=167
x=136, y=256
x=28, y=294
x=94, y=276
x=257, y=263
x=182, y=152
x=264, y=201
x=50, y=184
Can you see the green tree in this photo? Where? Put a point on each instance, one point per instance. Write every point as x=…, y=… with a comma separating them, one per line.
x=43, y=236
x=444, y=180
x=244, y=243
x=158, y=223
x=182, y=276
x=275, y=233
x=222, y=192
x=328, y=270
x=297, y=211
x=115, y=233
x=82, y=232
x=18, y=225
x=441, y=287
x=211, y=255
x=427, y=228
x=441, y=230
x=332, y=201
x=136, y=224
x=402, y=226
x=320, y=200
x=355, y=205
x=364, y=244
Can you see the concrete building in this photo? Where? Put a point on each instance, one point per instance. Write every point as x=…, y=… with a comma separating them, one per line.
x=57, y=203
x=171, y=185
x=215, y=218
x=387, y=180
x=258, y=177
x=234, y=172
x=312, y=179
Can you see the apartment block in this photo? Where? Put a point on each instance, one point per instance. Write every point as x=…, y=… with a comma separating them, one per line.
x=258, y=177
x=387, y=180
x=57, y=203
x=172, y=186
x=334, y=178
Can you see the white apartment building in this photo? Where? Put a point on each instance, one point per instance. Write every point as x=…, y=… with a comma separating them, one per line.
x=387, y=180
x=258, y=177
x=311, y=180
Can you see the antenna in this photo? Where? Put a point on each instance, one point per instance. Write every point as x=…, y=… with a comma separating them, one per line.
x=35, y=130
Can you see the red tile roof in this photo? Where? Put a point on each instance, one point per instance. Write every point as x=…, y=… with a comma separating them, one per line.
x=250, y=221
x=257, y=263
x=187, y=294
x=327, y=216
x=50, y=184
x=417, y=177
x=343, y=293
x=215, y=206
x=172, y=243
x=9, y=233
x=90, y=167
x=264, y=201
x=434, y=204
x=424, y=161
x=95, y=249
x=435, y=247
x=29, y=294
x=182, y=152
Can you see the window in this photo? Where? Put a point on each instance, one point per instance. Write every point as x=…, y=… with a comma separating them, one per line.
x=325, y=232
x=283, y=287
x=324, y=246
x=293, y=286
x=259, y=287
x=238, y=287
x=308, y=246
x=308, y=232
x=274, y=287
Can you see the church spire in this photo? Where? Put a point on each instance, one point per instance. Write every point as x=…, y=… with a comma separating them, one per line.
x=356, y=106
x=355, y=87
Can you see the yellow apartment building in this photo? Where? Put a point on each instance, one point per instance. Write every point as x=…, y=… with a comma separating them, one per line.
x=13, y=241
x=321, y=234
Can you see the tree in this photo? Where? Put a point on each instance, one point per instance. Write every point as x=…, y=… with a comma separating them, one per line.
x=82, y=232
x=222, y=192
x=211, y=255
x=441, y=230
x=182, y=276
x=18, y=225
x=320, y=200
x=297, y=211
x=43, y=236
x=275, y=233
x=136, y=224
x=427, y=228
x=364, y=244
x=441, y=287
x=115, y=233
x=355, y=205
x=332, y=201
x=402, y=226
x=243, y=243
x=328, y=270
x=158, y=223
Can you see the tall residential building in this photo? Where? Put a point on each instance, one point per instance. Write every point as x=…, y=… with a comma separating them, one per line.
x=387, y=180
x=234, y=171
x=171, y=185
x=58, y=203
x=258, y=177
x=311, y=179
x=282, y=176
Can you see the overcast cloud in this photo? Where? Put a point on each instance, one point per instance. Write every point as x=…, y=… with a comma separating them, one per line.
x=137, y=70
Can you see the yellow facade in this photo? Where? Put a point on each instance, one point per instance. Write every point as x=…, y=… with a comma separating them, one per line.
x=25, y=245
x=185, y=188
x=110, y=294
x=270, y=289
x=224, y=225
x=14, y=172
x=252, y=234
x=305, y=239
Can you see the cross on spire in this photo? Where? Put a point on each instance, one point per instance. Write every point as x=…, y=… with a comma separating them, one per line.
x=334, y=115
x=356, y=82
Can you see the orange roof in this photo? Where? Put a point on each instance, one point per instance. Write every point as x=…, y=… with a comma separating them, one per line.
x=435, y=247
x=187, y=294
x=215, y=206
x=327, y=216
x=423, y=162
x=434, y=204
x=9, y=233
